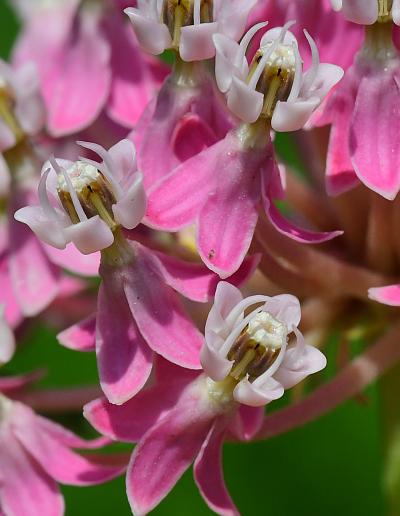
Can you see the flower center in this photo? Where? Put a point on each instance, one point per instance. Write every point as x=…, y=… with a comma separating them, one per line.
x=181, y=13
x=273, y=70
x=85, y=192
x=257, y=347
x=384, y=10
x=7, y=105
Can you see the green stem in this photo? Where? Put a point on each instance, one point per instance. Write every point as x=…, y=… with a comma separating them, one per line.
x=390, y=389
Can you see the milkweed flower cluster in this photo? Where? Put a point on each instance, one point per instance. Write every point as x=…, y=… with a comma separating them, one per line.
x=221, y=274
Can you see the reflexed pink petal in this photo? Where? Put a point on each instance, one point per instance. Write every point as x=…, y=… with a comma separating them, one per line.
x=81, y=336
x=247, y=422
x=159, y=313
x=197, y=282
x=130, y=421
x=209, y=476
x=165, y=452
x=135, y=77
x=375, y=133
x=289, y=229
x=124, y=358
x=176, y=201
x=8, y=384
x=228, y=218
x=389, y=295
x=60, y=462
x=26, y=490
x=34, y=278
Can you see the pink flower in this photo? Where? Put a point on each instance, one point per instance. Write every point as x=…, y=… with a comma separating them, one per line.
x=137, y=313
x=221, y=188
x=367, y=12
x=86, y=48
x=337, y=39
x=189, y=27
x=364, y=115
x=247, y=98
x=186, y=416
x=36, y=454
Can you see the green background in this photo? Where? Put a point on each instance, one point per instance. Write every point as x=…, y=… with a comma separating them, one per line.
x=331, y=466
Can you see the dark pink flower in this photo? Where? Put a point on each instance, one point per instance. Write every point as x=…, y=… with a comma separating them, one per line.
x=185, y=416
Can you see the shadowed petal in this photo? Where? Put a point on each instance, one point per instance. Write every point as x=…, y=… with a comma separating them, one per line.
x=209, y=477
x=159, y=313
x=124, y=359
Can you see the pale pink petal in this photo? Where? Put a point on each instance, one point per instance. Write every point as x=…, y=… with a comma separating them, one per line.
x=124, y=358
x=81, y=336
x=5, y=177
x=364, y=12
x=159, y=313
x=25, y=488
x=153, y=35
x=196, y=43
x=9, y=384
x=258, y=394
x=375, y=133
x=130, y=209
x=91, y=235
x=164, y=454
x=73, y=260
x=209, y=477
x=389, y=295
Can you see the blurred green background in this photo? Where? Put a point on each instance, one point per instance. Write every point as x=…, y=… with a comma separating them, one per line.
x=329, y=467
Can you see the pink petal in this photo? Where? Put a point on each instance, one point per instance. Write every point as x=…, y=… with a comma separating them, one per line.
x=176, y=201
x=191, y=136
x=340, y=175
x=228, y=218
x=375, y=133
x=12, y=311
x=130, y=421
x=82, y=66
x=209, y=477
x=289, y=229
x=159, y=313
x=135, y=77
x=81, y=336
x=389, y=295
x=34, y=278
x=73, y=260
x=124, y=359
x=11, y=384
x=25, y=489
x=247, y=422
x=197, y=282
x=60, y=462
x=164, y=454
